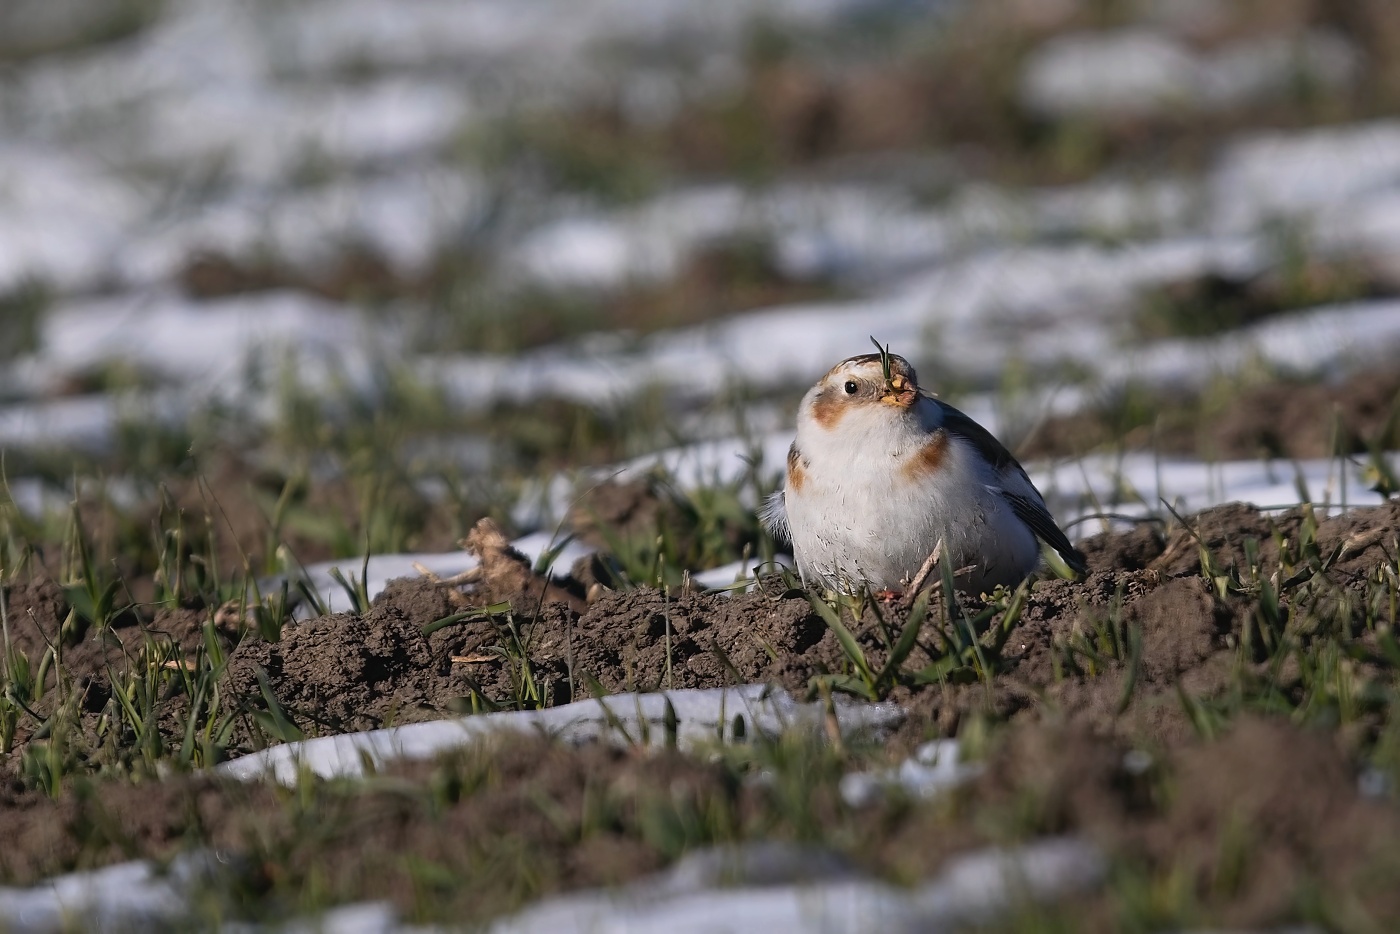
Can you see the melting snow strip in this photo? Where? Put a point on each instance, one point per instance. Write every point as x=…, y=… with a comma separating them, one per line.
x=780, y=887
x=974, y=888
x=684, y=718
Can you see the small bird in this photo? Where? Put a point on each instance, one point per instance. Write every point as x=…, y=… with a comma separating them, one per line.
x=882, y=473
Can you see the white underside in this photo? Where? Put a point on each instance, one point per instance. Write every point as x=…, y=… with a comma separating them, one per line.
x=858, y=518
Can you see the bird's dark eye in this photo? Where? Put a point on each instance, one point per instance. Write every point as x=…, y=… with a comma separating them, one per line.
x=851, y=387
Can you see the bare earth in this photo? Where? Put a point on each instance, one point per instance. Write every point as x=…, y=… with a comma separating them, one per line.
x=1285, y=793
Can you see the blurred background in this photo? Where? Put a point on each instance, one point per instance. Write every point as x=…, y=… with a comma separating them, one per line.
x=350, y=274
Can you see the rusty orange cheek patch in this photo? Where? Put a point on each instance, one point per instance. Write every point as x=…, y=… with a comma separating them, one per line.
x=796, y=473
x=827, y=409
x=928, y=460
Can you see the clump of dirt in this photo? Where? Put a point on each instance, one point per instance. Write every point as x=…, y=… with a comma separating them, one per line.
x=342, y=672
x=577, y=816
x=52, y=637
x=1215, y=304
x=504, y=575
x=641, y=639
x=1311, y=419
x=356, y=273
x=1359, y=538
x=221, y=506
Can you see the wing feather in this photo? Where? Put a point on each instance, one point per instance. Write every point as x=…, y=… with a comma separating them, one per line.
x=1034, y=514
x=1027, y=505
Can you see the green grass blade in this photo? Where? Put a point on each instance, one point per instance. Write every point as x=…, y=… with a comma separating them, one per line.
x=849, y=645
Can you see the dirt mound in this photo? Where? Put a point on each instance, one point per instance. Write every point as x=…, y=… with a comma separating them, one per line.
x=1112, y=693
x=1113, y=650
x=1255, y=822
x=1310, y=420
x=344, y=672
x=644, y=640
x=41, y=620
x=1359, y=539
x=98, y=823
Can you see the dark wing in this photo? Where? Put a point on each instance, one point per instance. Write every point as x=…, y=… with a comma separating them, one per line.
x=1033, y=514
x=1029, y=509
x=983, y=440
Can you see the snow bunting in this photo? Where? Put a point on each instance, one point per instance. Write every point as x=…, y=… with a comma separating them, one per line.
x=881, y=473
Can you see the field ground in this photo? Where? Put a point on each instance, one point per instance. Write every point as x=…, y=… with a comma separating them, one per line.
x=1213, y=705
x=285, y=287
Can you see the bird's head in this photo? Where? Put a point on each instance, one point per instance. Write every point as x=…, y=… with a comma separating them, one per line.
x=875, y=385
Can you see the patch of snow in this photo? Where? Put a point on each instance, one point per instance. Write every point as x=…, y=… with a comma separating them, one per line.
x=727, y=577
x=1323, y=340
x=552, y=36
x=1297, y=174
x=361, y=918
x=84, y=422
x=125, y=896
x=685, y=718
x=973, y=889
x=709, y=463
x=199, y=343
x=30, y=496
x=61, y=217
x=1118, y=208
x=406, y=218
x=1136, y=72
x=1368, y=229
x=1137, y=484
x=1145, y=72
x=780, y=887
x=935, y=766
x=264, y=135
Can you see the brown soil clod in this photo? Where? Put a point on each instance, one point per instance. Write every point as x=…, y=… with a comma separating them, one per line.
x=504, y=575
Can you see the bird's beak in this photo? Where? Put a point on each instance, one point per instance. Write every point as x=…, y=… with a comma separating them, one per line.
x=900, y=392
